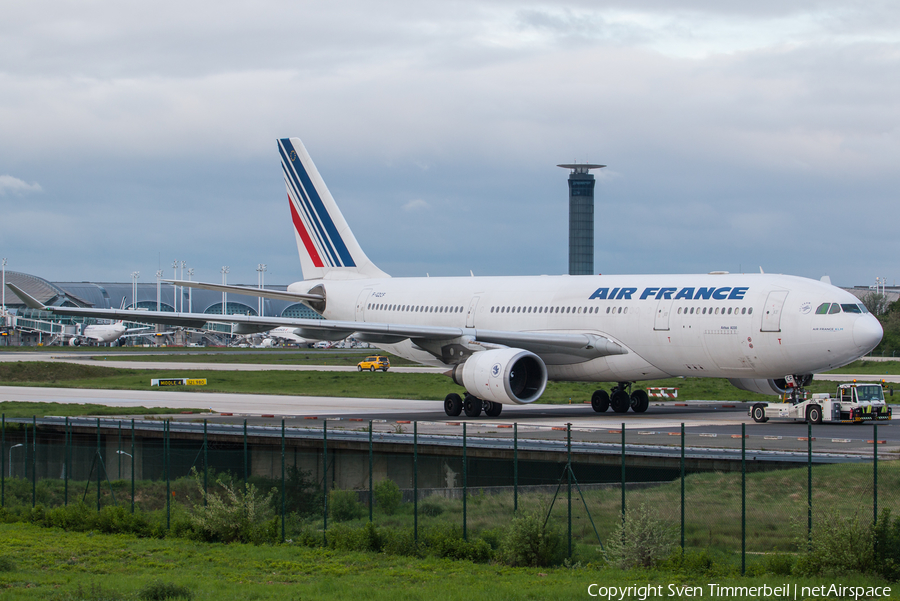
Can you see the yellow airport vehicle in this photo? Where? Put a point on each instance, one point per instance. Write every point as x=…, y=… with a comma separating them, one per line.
x=374, y=362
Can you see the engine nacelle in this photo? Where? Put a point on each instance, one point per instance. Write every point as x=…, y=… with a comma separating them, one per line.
x=773, y=387
x=509, y=376
x=74, y=342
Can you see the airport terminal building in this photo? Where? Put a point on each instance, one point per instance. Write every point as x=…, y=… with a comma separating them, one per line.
x=141, y=296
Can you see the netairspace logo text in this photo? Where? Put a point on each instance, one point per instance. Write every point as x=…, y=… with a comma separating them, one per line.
x=718, y=591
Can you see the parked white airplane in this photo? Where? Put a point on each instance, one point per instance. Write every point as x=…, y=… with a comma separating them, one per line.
x=283, y=333
x=502, y=338
x=103, y=333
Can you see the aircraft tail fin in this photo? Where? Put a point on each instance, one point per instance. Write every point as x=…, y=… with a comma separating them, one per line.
x=328, y=249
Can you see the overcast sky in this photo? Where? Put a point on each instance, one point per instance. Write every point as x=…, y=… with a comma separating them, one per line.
x=736, y=134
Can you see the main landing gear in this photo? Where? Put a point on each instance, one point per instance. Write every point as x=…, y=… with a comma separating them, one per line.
x=619, y=399
x=472, y=405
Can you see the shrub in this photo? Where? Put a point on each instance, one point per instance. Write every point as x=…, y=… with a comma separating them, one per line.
x=779, y=564
x=236, y=515
x=160, y=591
x=641, y=540
x=531, y=542
x=887, y=546
x=399, y=541
x=345, y=538
x=7, y=564
x=387, y=496
x=431, y=508
x=344, y=505
x=447, y=541
x=838, y=545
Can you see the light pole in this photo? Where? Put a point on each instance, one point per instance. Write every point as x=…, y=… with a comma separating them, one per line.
x=4, y=290
x=224, y=282
x=134, y=278
x=175, y=286
x=158, y=300
x=10, y=457
x=190, y=291
x=261, y=280
x=181, y=296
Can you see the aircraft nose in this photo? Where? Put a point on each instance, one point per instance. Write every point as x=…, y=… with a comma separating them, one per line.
x=867, y=333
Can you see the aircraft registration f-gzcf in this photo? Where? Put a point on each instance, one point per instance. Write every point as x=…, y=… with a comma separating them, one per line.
x=503, y=338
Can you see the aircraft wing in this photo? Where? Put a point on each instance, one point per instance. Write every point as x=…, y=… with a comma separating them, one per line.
x=276, y=294
x=450, y=344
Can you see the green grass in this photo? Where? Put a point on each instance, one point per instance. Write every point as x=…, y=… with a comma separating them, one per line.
x=876, y=368
x=20, y=409
x=57, y=565
x=313, y=383
x=345, y=384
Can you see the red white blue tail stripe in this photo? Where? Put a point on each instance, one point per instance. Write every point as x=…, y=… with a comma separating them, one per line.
x=312, y=221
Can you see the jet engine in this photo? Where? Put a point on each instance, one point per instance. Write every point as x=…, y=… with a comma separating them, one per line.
x=774, y=387
x=74, y=341
x=509, y=376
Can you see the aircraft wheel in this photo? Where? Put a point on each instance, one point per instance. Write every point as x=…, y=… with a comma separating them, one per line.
x=600, y=401
x=759, y=413
x=453, y=404
x=814, y=414
x=472, y=406
x=640, y=401
x=620, y=401
x=371, y=368
x=492, y=409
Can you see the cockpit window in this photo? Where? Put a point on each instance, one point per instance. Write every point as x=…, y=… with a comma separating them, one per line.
x=823, y=308
x=870, y=393
x=850, y=308
x=835, y=308
x=863, y=308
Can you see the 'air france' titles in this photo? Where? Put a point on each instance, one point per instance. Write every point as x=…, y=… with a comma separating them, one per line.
x=687, y=293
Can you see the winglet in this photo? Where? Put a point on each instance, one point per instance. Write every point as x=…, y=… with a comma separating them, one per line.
x=30, y=301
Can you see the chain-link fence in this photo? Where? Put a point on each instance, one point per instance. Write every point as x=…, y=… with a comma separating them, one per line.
x=726, y=491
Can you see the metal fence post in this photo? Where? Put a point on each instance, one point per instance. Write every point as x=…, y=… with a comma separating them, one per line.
x=205, y=464
x=875, y=473
x=371, y=486
x=809, y=484
x=66, y=465
x=743, y=498
x=325, y=482
x=98, y=465
x=516, y=467
x=623, y=473
x=283, y=498
x=119, y=454
x=465, y=484
x=132, y=465
x=682, y=488
x=416, y=482
x=3, y=461
x=569, y=484
x=34, y=460
x=245, y=456
x=168, y=462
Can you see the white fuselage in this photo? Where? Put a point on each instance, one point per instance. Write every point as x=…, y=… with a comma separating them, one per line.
x=716, y=325
x=103, y=333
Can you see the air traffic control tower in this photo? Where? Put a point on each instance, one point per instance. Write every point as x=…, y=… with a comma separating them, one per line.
x=581, y=218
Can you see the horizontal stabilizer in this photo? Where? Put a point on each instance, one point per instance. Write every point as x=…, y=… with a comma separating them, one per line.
x=276, y=294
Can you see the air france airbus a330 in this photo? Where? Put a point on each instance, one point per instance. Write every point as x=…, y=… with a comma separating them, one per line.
x=503, y=338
